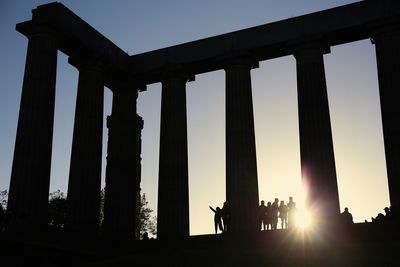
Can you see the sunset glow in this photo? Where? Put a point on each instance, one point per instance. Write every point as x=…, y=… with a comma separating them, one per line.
x=304, y=219
x=142, y=26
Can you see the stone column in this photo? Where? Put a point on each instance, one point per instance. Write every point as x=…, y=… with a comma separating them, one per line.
x=387, y=44
x=85, y=170
x=316, y=146
x=173, y=188
x=30, y=176
x=121, y=171
x=241, y=159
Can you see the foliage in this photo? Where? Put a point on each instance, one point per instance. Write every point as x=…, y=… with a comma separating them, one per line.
x=3, y=198
x=102, y=199
x=57, y=208
x=145, y=222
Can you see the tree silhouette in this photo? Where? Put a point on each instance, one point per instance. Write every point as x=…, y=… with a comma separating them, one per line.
x=145, y=222
x=57, y=208
x=3, y=198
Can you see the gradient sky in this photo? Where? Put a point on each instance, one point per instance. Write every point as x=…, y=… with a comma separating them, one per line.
x=140, y=26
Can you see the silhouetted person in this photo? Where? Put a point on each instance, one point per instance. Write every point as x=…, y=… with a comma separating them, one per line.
x=262, y=214
x=291, y=212
x=226, y=215
x=346, y=217
x=283, y=214
x=274, y=214
x=388, y=214
x=380, y=217
x=145, y=236
x=268, y=215
x=217, y=219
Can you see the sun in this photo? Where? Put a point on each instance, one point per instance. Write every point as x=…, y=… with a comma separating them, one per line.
x=303, y=219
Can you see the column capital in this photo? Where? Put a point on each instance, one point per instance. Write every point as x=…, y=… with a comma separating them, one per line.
x=310, y=49
x=87, y=63
x=31, y=29
x=179, y=73
x=382, y=31
x=127, y=86
x=246, y=61
x=125, y=95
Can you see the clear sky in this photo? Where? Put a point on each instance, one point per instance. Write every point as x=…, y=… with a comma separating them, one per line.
x=140, y=26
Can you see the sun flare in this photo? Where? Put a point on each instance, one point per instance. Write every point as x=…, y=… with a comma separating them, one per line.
x=303, y=219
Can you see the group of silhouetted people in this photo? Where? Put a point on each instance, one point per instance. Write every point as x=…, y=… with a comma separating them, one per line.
x=387, y=217
x=221, y=218
x=268, y=215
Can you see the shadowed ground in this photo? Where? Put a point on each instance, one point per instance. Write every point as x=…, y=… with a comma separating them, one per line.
x=358, y=245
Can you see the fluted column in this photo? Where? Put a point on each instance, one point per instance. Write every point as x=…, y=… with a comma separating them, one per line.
x=241, y=161
x=30, y=176
x=173, y=188
x=316, y=146
x=85, y=167
x=387, y=44
x=121, y=172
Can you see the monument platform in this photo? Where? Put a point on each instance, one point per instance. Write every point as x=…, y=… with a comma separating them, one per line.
x=364, y=244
